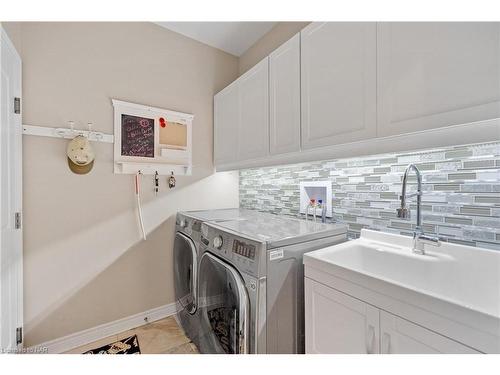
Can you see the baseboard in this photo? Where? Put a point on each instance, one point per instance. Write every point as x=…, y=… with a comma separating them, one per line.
x=63, y=344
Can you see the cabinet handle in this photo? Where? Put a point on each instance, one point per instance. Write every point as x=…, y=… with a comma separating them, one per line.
x=370, y=340
x=386, y=343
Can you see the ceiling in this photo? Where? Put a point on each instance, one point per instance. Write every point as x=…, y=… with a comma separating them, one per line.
x=232, y=37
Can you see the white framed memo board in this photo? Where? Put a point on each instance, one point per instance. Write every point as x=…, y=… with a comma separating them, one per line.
x=151, y=140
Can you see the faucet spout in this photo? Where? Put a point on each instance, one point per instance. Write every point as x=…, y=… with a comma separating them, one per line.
x=419, y=238
x=404, y=212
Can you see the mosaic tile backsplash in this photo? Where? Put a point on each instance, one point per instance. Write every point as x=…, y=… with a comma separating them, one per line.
x=460, y=202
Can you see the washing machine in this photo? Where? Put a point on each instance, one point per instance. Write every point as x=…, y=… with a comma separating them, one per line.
x=251, y=282
x=186, y=249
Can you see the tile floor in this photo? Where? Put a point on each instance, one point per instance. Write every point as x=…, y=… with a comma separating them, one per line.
x=161, y=337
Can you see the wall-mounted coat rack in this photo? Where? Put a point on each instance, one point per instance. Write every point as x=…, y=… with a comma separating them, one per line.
x=67, y=133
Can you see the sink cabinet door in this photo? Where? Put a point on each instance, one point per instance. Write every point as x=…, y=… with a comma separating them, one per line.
x=336, y=323
x=399, y=336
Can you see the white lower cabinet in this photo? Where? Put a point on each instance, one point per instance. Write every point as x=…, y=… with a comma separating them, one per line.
x=336, y=323
x=399, y=336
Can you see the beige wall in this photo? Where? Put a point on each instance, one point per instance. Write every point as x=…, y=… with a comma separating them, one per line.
x=84, y=261
x=268, y=43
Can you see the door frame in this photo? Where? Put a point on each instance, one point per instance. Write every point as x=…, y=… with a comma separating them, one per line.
x=11, y=233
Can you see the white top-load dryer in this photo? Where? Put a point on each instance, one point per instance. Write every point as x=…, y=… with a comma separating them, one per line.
x=251, y=282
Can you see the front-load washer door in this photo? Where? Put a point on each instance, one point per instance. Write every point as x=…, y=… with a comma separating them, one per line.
x=185, y=279
x=223, y=307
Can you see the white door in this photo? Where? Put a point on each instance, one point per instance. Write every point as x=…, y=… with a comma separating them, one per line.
x=399, y=336
x=253, y=129
x=338, y=78
x=284, y=97
x=226, y=119
x=436, y=74
x=11, y=261
x=336, y=323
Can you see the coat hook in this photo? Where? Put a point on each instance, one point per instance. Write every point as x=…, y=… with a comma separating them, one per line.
x=156, y=182
x=171, y=181
x=90, y=134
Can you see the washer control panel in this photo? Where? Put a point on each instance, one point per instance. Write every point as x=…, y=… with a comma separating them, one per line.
x=246, y=250
x=241, y=252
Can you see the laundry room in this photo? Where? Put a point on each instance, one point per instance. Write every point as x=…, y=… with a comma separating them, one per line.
x=178, y=185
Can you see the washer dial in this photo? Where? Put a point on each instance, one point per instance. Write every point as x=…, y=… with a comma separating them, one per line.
x=217, y=241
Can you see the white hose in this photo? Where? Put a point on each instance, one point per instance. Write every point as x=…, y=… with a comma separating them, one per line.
x=138, y=195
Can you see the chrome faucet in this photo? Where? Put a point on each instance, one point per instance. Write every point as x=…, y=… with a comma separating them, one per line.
x=419, y=238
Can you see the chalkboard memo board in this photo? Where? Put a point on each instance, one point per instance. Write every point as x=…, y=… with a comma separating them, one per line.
x=138, y=136
x=151, y=140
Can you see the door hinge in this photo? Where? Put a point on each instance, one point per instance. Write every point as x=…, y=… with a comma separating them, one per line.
x=17, y=105
x=17, y=220
x=19, y=335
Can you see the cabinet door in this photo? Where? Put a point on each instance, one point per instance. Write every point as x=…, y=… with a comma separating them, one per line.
x=336, y=323
x=226, y=119
x=284, y=97
x=436, y=74
x=338, y=83
x=253, y=129
x=399, y=336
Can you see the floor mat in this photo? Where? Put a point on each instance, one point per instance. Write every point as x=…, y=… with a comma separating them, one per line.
x=130, y=345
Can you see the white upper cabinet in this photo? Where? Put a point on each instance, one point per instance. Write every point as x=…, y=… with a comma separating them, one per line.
x=226, y=119
x=432, y=75
x=253, y=125
x=343, y=89
x=284, y=97
x=338, y=78
x=241, y=118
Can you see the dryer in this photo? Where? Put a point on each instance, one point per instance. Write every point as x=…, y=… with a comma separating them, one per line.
x=251, y=282
x=186, y=249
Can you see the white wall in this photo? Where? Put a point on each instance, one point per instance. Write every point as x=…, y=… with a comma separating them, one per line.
x=84, y=261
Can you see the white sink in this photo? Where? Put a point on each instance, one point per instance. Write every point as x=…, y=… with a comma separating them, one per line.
x=462, y=275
